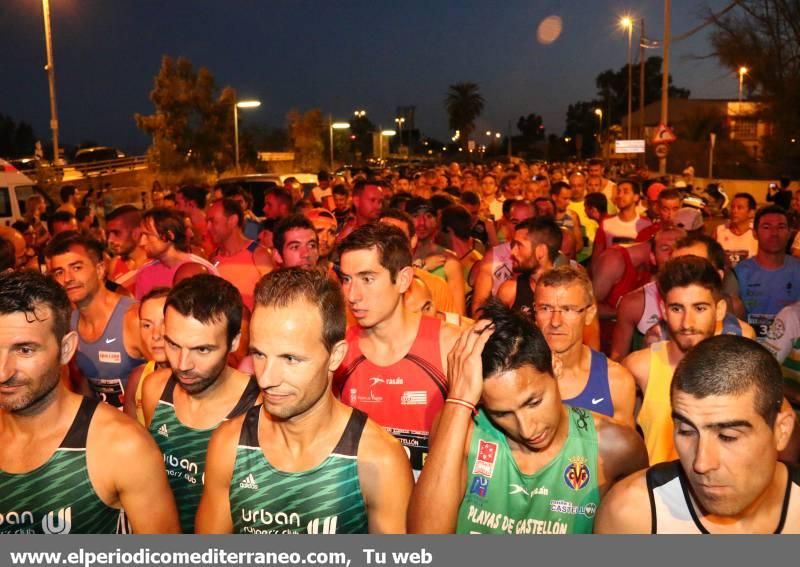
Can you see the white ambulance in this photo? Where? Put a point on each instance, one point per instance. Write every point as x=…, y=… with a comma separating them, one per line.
x=15, y=188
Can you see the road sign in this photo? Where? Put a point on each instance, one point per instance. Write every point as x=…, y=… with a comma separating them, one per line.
x=662, y=150
x=664, y=135
x=629, y=146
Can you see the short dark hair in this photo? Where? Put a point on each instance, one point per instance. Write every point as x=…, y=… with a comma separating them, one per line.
x=340, y=190
x=457, y=219
x=129, y=214
x=236, y=190
x=401, y=216
x=59, y=216
x=282, y=287
x=515, y=342
x=361, y=184
x=62, y=242
x=769, y=210
x=400, y=200
x=595, y=161
x=635, y=186
x=394, y=249
x=195, y=194
x=81, y=213
x=668, y=194
x=470, y=198
x=441, y=201
x=66, y=192
x=208, y=299
x=155, y=293
x=730, y=365
x=232, y=207
x=281, y=195
x=716, y=254
x=169, y=221
x=751, y=201
x=291, y=222
x=8, y=255
x=545, y=231
x=686, y=271
x=596, y=201
x=556, y=188
x=26, y=290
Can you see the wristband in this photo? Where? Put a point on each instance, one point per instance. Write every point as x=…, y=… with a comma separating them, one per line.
x=463, y=403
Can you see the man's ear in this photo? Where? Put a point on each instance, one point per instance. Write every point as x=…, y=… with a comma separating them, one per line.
x=277, y=257
x=338, y=353
x=785, y=423
x=722, y=309
x=69, y=344
x=404, y=278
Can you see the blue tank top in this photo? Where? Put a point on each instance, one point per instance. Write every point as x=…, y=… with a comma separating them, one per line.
x=596, y=396
x=105, y=363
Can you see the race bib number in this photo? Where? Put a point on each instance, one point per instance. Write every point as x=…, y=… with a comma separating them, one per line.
x=761, y=322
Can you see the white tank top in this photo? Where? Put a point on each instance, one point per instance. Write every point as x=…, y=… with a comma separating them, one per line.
x=652, y=310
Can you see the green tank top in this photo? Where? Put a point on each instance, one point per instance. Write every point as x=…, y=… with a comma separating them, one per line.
x=184, y=449
x=57, y=497
x=324, y=500
x=561, y=498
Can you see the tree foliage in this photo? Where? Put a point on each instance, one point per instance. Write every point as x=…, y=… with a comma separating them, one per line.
x=16, y=140
x=764, y=36
x=306, y=130
x=464, y=104
x=193, y=121
x=531, y=127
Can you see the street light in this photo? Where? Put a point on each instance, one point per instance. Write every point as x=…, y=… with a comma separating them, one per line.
x=335, y=126
x=360, y=113
x=742, y=72
x=400, y=121
x=236, y=107
x=384, y=133
x=599, y=113
x=51, y=79
x=627, y=24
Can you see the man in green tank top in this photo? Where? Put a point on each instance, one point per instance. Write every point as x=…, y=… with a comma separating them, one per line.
x=60, y=453
x=525, y=463
x=185, y=403
x=302, y=462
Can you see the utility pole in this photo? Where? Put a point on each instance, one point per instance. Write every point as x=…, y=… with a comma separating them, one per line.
x=641, y=88
x=51, y=78
x=662, y=162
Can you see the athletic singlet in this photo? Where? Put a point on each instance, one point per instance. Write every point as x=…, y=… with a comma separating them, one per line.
x=630, y=280
x=57, y=497
x=184, y=449
x=596, y=396
x=240, y=270
x=148, y=369
x=765, y=292
x=671, y=506
x=561, y=498
x=523, y=300
x=105, y=363
x=651, y=314
x=403, y=398
x=326, y=499
x=655, y=415
x=155, y=274
x=502, y=268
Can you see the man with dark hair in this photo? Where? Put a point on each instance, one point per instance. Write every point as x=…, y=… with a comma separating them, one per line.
x=302, y=462
x=625, y=226
x=163, y=238
x=456, y=227
x=565, y=217
x=666, y=206
x=534, y=250
x=341, y=205
x=239, y=260
x=122, y=238
x=69, y=200
x=61, y=221
x=730, y=427
x=245, y=199
x=737, y=237
x=326, y=228
x=60, y=453
x=395, y=368
x=277, y=203
x=596, y=181
x=770, y=280
x=185, y=403
x=524, y=463
x=191, y=199
x=106, y=323
x=295, y=243
x=367, y=203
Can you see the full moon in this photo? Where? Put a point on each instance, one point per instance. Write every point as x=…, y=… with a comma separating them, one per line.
x=549, y=29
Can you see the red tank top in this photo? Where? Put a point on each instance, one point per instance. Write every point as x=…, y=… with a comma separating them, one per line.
x=631, y=279
x=240, y=269
x=404, y=397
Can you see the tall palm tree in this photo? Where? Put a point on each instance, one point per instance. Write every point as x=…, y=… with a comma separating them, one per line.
x=464, y=104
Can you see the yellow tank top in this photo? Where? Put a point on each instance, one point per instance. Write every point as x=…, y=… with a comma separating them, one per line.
x=148, y=369
x=655, y=416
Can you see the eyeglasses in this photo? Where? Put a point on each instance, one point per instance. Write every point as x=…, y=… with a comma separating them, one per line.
x=567, y=311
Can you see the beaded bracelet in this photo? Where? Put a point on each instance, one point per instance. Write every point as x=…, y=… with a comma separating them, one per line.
x=463, y=403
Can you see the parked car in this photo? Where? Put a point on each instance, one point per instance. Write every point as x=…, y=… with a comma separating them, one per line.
x=98, y=153
x=259, y=183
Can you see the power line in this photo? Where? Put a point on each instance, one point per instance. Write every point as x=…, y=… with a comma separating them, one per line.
x=651, y=43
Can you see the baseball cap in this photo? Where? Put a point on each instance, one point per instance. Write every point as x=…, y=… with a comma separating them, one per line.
x=654, y=190
x=688, y=219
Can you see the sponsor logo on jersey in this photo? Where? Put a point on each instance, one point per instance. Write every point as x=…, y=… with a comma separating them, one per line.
x=480, y=485
x=185, y=464
x=267, y=518
x=13, y=518
x=249, y=482
x=518, y=489
x=109, y=357
x=327, y=524
x=111, y=340
x=163, y=430
x=414, y=398
x=596, y=401
x=394, y=381
x=58, y=522
x=484, y=464
x=567, y=507
x=577, y=474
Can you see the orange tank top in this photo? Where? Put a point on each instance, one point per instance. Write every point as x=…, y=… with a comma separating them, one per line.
x=240, y=269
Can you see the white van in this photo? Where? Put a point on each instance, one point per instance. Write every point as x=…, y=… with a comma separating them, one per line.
x=15, y=188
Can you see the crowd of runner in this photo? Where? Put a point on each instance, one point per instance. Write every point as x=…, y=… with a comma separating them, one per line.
x=518, y=348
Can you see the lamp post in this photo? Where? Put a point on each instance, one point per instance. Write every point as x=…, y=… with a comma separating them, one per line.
x=627, y=23
x=662, y=161
x=335, y=126
x=599, y=113
x=742, y=72
x=384, y=133
x=400, y=121
x=51, y=79
x=236, y=107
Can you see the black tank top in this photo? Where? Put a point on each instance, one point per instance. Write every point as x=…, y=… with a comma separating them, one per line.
x=523, y=301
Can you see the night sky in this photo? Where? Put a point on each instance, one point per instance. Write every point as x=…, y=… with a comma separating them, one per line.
x=337, y=56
